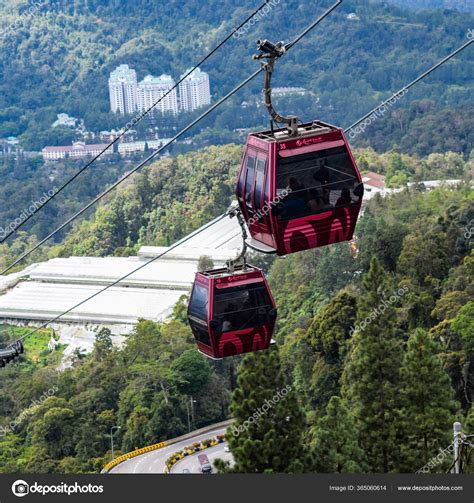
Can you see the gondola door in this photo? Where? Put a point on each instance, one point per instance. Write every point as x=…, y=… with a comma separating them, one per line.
x=254, y=192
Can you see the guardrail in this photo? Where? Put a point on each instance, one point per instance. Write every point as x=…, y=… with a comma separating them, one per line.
x=192, y=449
x=137, y=452
x=144, y=450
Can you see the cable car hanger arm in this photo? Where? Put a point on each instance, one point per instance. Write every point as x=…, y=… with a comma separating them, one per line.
x=271, y=52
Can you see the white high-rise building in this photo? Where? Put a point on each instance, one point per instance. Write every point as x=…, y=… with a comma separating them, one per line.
x=151, y=89
x=123, y=90
x=195, y=91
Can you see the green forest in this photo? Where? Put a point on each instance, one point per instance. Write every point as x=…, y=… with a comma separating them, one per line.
x=357, y=373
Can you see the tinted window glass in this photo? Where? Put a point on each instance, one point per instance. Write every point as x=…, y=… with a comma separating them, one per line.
x=200, y=332
x=259, y=182
x=199, y=302
x=242, y=307
x=249, y=182
x=241, y=183
x=267, y=189
x=318, y=182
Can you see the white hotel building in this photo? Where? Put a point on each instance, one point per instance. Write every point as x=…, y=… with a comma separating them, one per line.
x=152, y=89
x=77, y=150
x=123, y=90
x=195, y=91
x=128, y=96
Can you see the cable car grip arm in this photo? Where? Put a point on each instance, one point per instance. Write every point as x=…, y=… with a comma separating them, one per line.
x=271, y=52
x=234, y=212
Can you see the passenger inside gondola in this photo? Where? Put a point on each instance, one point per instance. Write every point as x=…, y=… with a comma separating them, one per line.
x=322, y=175
x=345, y=197
x=242, y=307
x=319, y=181
x=294, y=203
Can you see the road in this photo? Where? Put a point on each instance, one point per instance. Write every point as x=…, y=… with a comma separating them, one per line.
x=154, y=462
x=191, y=463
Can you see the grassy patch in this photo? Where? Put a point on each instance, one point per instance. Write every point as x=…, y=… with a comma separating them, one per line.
x=36, y=345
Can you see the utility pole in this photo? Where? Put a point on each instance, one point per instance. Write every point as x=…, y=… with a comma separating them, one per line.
x=457, y=427
x=189, y=421
x=190, y=411
x=112, y=439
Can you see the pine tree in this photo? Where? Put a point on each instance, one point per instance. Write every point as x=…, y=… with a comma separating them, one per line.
x=328, y=335
x=427, y=407
x=335, y=443
x=371, y=372
x=268, y=433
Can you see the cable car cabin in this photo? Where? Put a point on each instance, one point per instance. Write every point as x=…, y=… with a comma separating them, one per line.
x=231, y=313
x=299, y=192
x=11, y=353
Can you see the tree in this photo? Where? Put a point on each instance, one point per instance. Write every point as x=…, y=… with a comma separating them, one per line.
x=328, y=335
x=53, y=427
x=165, y=421
x=424, y=257
x=371, y=373
x=426, y=402
x=269, y=424
x=135, y=435
x=463, y=325
x=103, y=343
x=335, y=444
x=455, y=361
x=194, y=371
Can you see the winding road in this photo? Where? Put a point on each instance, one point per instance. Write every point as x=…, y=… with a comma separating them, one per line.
x=190, y=464
x=154, y=462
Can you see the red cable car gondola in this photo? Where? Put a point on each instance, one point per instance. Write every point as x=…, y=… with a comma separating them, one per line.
x=231, y=311
x=298, y=186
